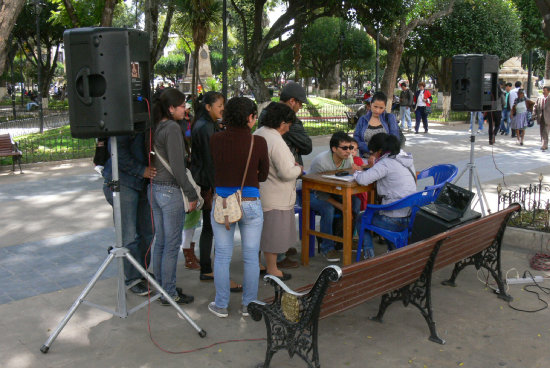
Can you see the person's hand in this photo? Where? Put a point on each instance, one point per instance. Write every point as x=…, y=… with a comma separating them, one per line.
x=371, y=161
x=149, y=172
x=192, y=206
x=355, y=167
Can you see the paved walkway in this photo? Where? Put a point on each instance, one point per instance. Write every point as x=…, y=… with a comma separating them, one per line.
x=56, y=227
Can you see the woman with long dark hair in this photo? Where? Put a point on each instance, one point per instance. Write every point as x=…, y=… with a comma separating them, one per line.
x=165, y=194
x=207, y=114
x=230, y=151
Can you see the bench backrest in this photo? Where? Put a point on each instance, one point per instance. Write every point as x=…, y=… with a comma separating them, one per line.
x=382, y=274
x=6, y=144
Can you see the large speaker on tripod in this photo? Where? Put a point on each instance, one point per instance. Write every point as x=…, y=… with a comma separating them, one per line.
x=474, y=82
x=107, y=81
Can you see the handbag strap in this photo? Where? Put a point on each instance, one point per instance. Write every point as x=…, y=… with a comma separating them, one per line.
x=247, y=162
x=163, y=161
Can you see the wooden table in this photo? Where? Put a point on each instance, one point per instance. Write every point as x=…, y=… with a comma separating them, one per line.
x=346, y=190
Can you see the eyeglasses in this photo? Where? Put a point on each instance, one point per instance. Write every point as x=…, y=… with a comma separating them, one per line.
x=345, y=148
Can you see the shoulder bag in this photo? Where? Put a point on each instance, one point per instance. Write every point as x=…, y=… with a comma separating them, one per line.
x=200, y=201
x=229, y=210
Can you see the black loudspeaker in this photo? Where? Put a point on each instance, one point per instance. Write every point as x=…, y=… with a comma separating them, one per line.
x=426, y=225
x=107, y=81
x=474, y=82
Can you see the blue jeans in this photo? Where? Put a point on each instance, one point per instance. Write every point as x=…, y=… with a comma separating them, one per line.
x=405, y=116
x=326, y=211
x=169, y=215
x=479, y=115
x=421, y=114
x=385, y=222
x=250, y=227
x=505, y=121
x=137, y=229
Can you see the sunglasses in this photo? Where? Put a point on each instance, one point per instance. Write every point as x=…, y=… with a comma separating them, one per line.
x=345, y=148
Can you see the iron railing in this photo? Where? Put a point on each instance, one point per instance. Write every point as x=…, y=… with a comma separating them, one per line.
x=535, y=205
x=32, y=125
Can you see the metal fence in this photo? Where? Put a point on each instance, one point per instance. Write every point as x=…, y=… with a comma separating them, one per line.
x=32, y=125
x=327, y=119
x=535, y=204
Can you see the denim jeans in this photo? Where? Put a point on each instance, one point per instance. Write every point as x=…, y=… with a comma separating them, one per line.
x=137, y=229
x=479, y=115
x=250, y=227
x=384, y=222
x=405, y=116
x=505, y=121
x=421, y=114
x=168, y=215
x=326, y=211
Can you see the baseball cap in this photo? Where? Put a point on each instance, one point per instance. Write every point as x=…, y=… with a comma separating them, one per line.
x=293, y=90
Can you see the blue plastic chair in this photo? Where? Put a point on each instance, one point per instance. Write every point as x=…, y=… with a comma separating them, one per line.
x=401, y=238
x=442, y=174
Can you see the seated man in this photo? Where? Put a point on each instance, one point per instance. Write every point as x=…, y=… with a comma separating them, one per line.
x=325, y=204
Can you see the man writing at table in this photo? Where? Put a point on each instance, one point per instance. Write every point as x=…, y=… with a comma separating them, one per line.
x=325, y=204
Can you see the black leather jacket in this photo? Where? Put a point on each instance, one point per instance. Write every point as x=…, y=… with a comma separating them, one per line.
x=202, y=165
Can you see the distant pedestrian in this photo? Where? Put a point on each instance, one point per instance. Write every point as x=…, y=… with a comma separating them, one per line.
x=520, y=111
x=422, y=102
x=542, y=115
x=512, y=98
x=406, y=101
x=506, y=108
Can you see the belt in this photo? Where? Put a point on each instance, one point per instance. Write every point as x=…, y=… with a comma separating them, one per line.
x=250, y=198
x=166, y=183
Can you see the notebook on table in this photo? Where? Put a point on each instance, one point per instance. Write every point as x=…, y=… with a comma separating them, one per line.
x=451, y=203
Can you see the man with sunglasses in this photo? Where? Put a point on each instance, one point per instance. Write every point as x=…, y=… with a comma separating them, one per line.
x=338, y=157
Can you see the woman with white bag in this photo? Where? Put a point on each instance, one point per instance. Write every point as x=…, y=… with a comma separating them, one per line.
x=167, y=190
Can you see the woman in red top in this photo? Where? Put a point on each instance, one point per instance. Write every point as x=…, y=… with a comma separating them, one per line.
x=422, y=101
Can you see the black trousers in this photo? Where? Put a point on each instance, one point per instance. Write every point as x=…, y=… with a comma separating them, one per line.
x=493, y=118
x=207, y=235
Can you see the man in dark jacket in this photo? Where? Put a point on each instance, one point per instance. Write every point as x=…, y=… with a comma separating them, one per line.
x=296, y=138
x=137, y=228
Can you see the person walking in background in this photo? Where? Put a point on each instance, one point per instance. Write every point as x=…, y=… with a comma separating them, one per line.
x=542, y=115
x=166, y=190
x=278, y=192
x=511, y=99
x=520, y=111
x=506, y=108
x=422, y=100
x=476, y=116
x=494, y=116
x=406, y=98
x=230, y=152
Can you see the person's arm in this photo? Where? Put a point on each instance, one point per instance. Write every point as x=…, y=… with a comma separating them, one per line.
x=358, y=134
x=176, y=160
x=127, y=163
x=283, y=162
x=297, y=137
x=373, y=174
x=263, y=162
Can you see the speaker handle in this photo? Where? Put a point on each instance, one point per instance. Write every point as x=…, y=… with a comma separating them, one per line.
x=85, y=97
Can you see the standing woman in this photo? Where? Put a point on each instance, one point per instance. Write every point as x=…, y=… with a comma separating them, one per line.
x=422, y=100
x=205, y=124
x=279, y=190
x=230, y=151
x=377, y=120
x=165, y=194
x=520, y=111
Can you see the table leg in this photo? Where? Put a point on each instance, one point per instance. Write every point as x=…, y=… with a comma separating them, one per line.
x=347, y=230
x=305, y=223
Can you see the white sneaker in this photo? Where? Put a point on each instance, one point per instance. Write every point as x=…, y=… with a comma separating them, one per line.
x=220, y=312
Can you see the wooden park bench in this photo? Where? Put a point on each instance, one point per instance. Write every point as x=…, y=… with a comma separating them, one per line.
x=9, y=148
x=291, y=317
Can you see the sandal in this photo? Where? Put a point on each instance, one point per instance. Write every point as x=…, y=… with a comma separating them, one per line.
x=234, y=287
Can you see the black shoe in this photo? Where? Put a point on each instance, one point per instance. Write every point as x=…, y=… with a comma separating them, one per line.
x=181, y=298
x=140, y=289
x=285, y=277
x=206, y=277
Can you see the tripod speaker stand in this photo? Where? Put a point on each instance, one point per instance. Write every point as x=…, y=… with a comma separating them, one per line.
x=120, y=253
x=473, y=176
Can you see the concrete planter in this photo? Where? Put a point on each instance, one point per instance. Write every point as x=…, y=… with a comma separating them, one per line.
x=527, y=239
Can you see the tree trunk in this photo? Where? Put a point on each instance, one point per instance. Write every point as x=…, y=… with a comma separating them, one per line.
x=395, y=50
x=255, y=81
x=108, y=11
x=8, y=16
x=547, y=67
x=195, y=70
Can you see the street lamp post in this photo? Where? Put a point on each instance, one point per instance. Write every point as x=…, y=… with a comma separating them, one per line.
x=39, y=64
x=224, y=57
x=377, y=55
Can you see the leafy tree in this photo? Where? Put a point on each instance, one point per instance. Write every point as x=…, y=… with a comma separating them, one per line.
x=170, y=66
x=279, y=66
x=8, y=15
x=321, y=47
x=257, y=39
x=394, y=20
x=51, y=37
x=85, y=13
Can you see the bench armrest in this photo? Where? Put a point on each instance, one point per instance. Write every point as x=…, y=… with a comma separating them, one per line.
x=274, y=280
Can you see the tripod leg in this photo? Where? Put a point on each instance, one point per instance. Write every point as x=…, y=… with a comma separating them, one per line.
x=44, y=349
x=482, y=198
x=202, y=333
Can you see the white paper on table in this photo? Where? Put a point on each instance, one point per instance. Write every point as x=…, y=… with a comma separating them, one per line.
x=348, y=178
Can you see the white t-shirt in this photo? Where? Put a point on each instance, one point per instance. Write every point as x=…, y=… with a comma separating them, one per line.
x=420, y=100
